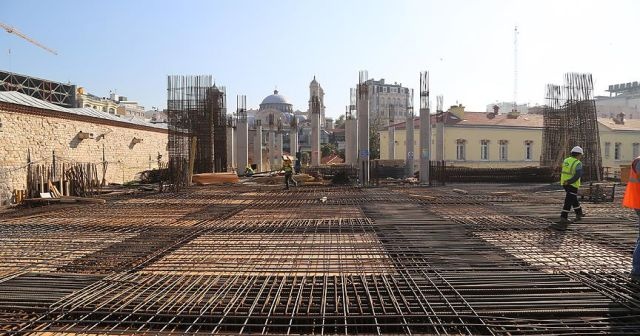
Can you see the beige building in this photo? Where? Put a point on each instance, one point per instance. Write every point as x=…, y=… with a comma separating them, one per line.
x=619, y=142
x=479, y=139
x=102, y=104
x=115, y=105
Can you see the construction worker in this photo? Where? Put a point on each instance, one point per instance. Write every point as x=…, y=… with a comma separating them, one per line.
x=632, y=200
x=570, y=181
x=248, y=171
x=288, y=173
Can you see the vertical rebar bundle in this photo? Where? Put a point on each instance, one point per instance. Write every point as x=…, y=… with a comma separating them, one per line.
x=410, y=140
x=351, y=131
x=440, y=122
x=217, y=107
x=363, y=128
x=570, y=119
x=242, y=133
x=425, y=128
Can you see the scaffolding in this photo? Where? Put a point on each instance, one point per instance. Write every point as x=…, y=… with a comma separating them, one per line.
x=570, y=119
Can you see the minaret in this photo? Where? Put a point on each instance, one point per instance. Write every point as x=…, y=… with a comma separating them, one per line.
x=315, y=128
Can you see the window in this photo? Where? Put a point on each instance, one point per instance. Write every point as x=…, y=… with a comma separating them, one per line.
x=607, y=150
x=617, y=151
x=112, y=111
x=460, y=149
x=484, y=150
x=504, y=150
x=528, y=150
x=636, y=148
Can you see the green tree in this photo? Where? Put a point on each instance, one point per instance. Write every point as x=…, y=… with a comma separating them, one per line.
x=375, y=126
x=328, y=149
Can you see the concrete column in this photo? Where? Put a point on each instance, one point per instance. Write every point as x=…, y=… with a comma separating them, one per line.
x=231, y=153
x=278, y=151
x=351, y=139
x=257, y=148
x=272, y=149
x=293, y=141
x=425, y=144
x=315, y=137
x=363, y=134
x=410, y=145
x=242, y=141
x=440, y=139
x=392, y=141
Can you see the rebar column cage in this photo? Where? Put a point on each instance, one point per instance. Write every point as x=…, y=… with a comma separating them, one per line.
x=189, y=119
x=570, y=119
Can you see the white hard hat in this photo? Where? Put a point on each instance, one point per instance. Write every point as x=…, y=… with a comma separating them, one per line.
x=577, y=149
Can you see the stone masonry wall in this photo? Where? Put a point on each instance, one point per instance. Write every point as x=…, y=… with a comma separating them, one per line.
x=42, y=134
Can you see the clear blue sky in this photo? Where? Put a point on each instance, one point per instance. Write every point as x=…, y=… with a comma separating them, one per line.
x=252, y=46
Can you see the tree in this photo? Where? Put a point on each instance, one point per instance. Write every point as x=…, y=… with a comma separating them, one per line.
x=339, y=123
x=375, y=126
x=328, y=149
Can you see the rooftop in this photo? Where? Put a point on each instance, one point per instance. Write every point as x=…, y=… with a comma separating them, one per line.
x=13, y=97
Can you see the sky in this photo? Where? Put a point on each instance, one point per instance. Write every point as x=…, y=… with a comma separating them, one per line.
x=255, y=46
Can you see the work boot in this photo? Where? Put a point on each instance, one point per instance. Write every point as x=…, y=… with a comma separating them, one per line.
x=579, y=216
x=561, y=225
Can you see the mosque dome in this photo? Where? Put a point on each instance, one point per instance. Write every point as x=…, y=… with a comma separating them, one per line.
x=277, y=101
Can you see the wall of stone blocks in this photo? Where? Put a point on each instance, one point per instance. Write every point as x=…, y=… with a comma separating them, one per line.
x=42, y=135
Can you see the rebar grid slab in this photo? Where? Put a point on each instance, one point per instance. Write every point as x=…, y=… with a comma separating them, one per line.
x=259, y=260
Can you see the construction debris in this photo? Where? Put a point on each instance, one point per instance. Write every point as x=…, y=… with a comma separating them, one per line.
x=215, y=178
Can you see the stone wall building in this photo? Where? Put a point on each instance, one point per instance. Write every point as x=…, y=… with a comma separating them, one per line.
x=31, y=125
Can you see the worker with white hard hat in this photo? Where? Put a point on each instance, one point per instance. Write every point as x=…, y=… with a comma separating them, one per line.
x=570, y=181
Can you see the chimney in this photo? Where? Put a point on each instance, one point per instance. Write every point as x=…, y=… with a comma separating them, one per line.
x=457, y=110
x=619, y=119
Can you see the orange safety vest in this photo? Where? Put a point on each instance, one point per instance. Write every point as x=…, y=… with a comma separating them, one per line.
x=632, y=194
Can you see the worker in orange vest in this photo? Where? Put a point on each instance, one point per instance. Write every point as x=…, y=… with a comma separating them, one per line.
x=632, y=200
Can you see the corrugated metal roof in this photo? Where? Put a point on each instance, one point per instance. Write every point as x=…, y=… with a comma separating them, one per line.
x=18, y=98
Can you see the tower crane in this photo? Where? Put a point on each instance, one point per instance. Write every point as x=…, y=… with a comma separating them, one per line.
x=12, y=30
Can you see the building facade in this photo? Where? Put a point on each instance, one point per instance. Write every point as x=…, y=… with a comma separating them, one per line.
x=114, y=105
x=623, y=98
x=479, y=140
x=387, y=101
